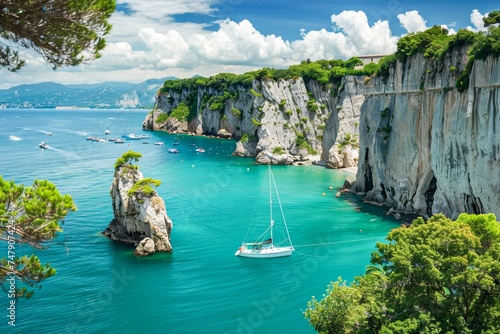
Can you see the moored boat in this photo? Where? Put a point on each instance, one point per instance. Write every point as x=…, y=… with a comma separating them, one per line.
x=265, y=245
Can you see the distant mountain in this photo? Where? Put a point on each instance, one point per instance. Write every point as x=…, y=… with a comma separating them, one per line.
x=103, y=95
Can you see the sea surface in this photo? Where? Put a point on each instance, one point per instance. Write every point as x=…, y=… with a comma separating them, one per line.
x=201, y=287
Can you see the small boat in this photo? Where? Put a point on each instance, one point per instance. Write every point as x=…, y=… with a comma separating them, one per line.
x=119, y=141
x=43, y=145
x=200, y=150
x=159, y=143
x=173, y=150
x=49, y=133
x=15, y=138
x=106, y=132
x=266, y=245
x=131, y=137
x=176, y=143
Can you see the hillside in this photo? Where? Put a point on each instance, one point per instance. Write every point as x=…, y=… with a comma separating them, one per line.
x=102, y=95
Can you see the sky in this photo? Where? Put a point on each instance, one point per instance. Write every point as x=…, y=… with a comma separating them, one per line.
x=183, y=38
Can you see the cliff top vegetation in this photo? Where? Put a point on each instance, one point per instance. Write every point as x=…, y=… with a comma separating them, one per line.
x=433, y=43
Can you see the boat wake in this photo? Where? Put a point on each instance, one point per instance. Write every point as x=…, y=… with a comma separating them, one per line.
x=46, y=132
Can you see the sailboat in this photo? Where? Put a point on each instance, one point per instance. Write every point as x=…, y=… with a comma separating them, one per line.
x=267, y=244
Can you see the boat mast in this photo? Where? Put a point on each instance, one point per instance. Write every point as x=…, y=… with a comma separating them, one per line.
x=282, y=214
x=270, y=201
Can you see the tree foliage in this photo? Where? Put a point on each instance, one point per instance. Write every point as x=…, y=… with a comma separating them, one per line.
x=145, y=187
x=29, y=215
x=492, y=18
x=323, y=71
x=63, y=32
x=127, y=158
x=436, y=276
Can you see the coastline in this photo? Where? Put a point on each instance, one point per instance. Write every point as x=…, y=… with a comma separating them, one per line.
x=353, y=170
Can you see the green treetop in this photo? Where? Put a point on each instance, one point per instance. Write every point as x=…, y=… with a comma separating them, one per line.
x=436, y=276
x=127, y=158
x=63, y=32
x=29, y=215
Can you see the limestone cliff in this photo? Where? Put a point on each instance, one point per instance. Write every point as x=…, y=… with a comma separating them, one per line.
x=139, y=219
x=424, y=146
x=278, y=122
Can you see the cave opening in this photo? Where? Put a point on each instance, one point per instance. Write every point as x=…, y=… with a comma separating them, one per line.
x=429, y=195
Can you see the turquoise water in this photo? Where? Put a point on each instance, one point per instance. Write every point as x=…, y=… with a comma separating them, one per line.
x=101, y=287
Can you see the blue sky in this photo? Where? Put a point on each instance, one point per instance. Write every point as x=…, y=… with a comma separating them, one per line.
x=182, y=38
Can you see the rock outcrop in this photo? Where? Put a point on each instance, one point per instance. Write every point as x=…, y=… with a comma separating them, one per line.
x=139, y=219
x=281, y=121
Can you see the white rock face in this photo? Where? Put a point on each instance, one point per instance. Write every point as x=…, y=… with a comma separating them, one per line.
x=421, y=146
x=138, y=219
x=435, y=150
x=276, y=115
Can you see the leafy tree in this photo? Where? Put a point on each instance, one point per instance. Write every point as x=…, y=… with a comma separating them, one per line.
x=436, y=276
x=145, y=187
x=491, y=18
x=29, y=215
x=63, y=32
x=127, y=158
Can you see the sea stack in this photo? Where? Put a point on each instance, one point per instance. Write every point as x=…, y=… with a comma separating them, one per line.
x=140, y=216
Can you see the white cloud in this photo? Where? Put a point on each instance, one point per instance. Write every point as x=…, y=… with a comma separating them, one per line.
x=476, y=18
x=146, y=42
x=238, y=43
x=412, y=21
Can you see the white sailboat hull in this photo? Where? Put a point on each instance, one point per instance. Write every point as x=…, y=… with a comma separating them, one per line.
x=265, y=252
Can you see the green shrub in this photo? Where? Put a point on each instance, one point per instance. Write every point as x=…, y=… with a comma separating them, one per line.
x=236, y=112
x=144, y=187
x=217, y=102
x=161, y=118
x=254, y=93
x=181, y=112
x=278, y=150
x=312, y=106
x=255, y=122
x=349, y=139
x=282, y=104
